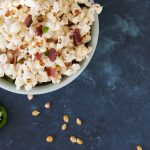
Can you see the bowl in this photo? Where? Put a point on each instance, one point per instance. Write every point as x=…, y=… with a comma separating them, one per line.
x=42, y=89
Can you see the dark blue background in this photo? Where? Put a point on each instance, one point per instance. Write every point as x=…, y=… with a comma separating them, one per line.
x=112, y=96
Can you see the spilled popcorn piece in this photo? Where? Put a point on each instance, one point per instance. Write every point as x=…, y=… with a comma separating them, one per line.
x=30, y=97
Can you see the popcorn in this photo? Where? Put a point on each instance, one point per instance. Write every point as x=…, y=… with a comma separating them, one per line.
x=10, y=70
x=2, y=70
x=72, y=70
x=3, y=42
x=15, y=27
x=56, y=7
x=31, y=55
x=3, y=59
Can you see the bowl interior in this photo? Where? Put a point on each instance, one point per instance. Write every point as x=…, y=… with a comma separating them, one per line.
x=65, y=80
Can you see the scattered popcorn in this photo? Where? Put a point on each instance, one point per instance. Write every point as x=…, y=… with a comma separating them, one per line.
x=44, y=40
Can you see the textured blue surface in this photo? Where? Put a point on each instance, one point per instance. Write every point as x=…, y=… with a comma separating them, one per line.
x=112, y=95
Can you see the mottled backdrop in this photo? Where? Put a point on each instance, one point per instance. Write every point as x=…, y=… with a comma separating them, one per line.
x=112, y=96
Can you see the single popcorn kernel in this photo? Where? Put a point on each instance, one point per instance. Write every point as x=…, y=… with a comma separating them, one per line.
x=64, y=127
x=66, y=118
x=79, y=141
x=73, y=139
x=30, y=97
x=139, y=147
x=48, y=105
x=49, y=139
x=79, y=122
x=35, y=113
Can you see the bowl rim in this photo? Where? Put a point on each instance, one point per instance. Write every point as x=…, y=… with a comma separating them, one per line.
x=39, y=90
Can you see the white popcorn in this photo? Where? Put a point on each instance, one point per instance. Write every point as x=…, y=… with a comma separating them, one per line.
x=41, y=55
x=79, y=17
x=56, y=7
x=15, y=27
x=10, y=70
x=2, y=70
x=72, y=70
x=3, y=42
x=62, y=41
x=3, y=59
x=84, y=29
x=68, y=55
x=97, y=8
x=81, y=52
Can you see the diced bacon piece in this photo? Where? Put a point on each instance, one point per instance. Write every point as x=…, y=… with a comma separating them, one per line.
x=38, y=56
x=53, y=54
x=77, y=37
x=52, y=72
x=28, y=21
x=39, y=30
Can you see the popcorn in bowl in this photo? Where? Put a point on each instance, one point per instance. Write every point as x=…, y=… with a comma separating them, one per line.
x=44, y=40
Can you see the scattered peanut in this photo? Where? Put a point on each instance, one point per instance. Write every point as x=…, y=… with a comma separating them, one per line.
x=30, y=97
x=79, y=122
x=48, y=105
x=73, y=139
x=79, y=141
x=35, y=113
x=64, y=127
x=66, y=118
x=139, y=147
x=49, y=139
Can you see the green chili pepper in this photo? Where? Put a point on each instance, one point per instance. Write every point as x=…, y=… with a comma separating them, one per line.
x=3, y=116
x=45, y=29
x=47, y=53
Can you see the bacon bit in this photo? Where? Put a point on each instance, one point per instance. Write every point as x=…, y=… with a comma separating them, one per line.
x=52, y=72
x=53, y=54
x=56, y=41
x=39, y=30
x=77, y=37
x=40, y=18
x=28, y=21
x=38, y=56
